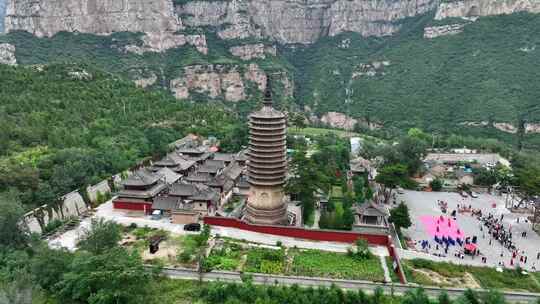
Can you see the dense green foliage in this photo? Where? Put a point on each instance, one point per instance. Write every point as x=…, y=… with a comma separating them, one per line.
x=480, y=75
x=262, y=260
x=72, y=126
x=400, y=217
x=101, y=236
x=323, y=170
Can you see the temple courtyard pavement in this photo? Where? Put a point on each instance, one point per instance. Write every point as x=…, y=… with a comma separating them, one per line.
x=425, y=211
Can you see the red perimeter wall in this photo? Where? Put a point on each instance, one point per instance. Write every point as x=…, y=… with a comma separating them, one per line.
x=121, y=204
x=317, y=235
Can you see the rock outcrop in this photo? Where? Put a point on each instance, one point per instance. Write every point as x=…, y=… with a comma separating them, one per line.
x=162, y=41
x=2, y=14
x=532, y=128
x=146, y=82
x=301, y=21
x=338, y=120
x=44, y=18
x=215, y=81
x=7, y=54
x=253, y=51
x=505, y=127
x=156, y=18
x=443, y=30
x=470, y=8
x=227, y=82
x=370, y=69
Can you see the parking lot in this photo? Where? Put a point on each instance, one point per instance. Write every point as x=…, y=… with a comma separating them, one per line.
x=423, y=206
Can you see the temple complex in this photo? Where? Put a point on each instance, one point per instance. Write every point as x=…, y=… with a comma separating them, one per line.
x=267, y=165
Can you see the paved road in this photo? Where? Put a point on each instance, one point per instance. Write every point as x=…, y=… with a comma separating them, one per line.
x=369, y=287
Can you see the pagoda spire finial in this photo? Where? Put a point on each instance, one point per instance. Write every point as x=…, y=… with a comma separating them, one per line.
x=267, y=101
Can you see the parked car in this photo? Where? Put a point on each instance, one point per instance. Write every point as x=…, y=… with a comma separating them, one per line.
x=400, y=190
x=192, y=227
x=474, y=194
x=463, y=194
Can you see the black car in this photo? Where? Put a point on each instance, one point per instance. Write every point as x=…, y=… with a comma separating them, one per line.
x=192, y=227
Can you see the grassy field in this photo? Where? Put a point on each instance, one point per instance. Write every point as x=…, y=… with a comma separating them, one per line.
x=227, y=257
x=263, y=260
x=393, y=275
x=240, y=256
x=486, y=277
x=334, y=265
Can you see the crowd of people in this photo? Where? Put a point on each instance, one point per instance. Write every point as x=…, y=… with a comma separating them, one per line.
x=492, y=227
x=497, y=231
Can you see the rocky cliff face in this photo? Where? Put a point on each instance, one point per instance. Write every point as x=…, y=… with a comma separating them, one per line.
x=226, y=82
x=45, y=18
x=470, y=8
x=443, y=30
x=7, y=54
x=155, y=18
x=295, y=21
x=2, y=14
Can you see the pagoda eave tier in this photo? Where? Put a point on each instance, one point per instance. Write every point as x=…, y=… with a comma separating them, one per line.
x=267, y=123
x=277, y=132
x=255, y=156
x=265, y=140
x=254, y=182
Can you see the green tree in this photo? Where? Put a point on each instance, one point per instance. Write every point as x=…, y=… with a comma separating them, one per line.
x=298, y=120
x=436, y=184
x=101, y=236
x=443, y=298
x=114, y=276
x=304, y=181
x=12, y=234
x=416, y=296
x=362, y=249
x=49, y=265
x=400, y=216
x=485, y=177
x=389, y=177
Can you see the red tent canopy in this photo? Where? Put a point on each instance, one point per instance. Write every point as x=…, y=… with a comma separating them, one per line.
x=470, y=247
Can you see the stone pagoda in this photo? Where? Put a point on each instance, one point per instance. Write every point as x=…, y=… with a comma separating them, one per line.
x=267, y=165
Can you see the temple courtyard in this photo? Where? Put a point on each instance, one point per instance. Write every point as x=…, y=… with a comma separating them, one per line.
x=427, y=225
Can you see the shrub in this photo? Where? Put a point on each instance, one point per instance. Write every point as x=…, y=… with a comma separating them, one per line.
x=436, y=184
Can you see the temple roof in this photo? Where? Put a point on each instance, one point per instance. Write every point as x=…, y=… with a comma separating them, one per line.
x=141, y=177
x=233, y=171
x=372, y=209
x=169, y=175
x=198, y=177
x=165, y=202
x=226, y=157
x=182, y=190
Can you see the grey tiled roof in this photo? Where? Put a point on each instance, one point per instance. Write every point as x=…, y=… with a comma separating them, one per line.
x=227, y=157
x=371, y=209
x=141, y=177
x=182, y=190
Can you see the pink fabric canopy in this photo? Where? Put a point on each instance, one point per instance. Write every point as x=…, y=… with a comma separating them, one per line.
x=441, y=226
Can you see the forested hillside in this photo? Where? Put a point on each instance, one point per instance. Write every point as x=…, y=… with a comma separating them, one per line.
x=69, y=126
x=459, y=83
x=483, y=74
